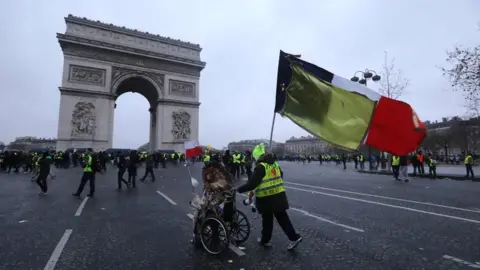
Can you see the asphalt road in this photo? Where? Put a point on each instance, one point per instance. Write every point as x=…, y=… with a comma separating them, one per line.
x=348, y=221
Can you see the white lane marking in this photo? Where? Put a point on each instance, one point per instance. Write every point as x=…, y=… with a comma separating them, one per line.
x=385, y=197
x=473, y=265
x=58, y=250
x=387, y=205
x=233, y=248
x=81, y=206
x=327, y=220
x=236, y=250
x=22, y=221
x=166, y=198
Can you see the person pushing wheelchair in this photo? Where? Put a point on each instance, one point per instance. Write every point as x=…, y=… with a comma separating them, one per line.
x=270, y=198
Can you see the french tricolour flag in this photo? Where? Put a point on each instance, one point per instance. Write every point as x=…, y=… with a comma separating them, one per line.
x=192, y=149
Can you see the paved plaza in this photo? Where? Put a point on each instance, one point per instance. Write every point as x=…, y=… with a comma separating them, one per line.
x=348, y=221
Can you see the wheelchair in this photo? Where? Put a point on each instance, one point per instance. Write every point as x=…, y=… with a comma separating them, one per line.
x=211, y=231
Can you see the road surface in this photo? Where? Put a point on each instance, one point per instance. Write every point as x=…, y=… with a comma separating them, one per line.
x=348, y=221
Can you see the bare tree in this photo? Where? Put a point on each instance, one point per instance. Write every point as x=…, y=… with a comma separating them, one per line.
x=393, y=84
x=463, y=73
x=472, y=104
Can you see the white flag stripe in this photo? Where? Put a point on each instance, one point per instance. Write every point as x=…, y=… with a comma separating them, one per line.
x=355, y=87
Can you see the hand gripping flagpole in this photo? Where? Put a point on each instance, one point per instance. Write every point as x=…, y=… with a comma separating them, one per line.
x=275, y=114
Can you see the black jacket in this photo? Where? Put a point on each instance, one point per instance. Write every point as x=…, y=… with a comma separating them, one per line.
x=44, y=165
x=269, y=204
x=403, y=161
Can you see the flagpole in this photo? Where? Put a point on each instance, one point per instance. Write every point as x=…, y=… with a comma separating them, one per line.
x=190, y=174
x=271, y=131
x=275, y=114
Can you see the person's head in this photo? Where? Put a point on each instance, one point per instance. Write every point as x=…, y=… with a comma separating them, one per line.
x=258, y=152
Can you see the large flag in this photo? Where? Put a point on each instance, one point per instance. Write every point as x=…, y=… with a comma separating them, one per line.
x=344, y=113
x=192, y=149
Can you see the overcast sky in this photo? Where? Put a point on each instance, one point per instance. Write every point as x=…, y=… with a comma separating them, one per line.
x=240, y=44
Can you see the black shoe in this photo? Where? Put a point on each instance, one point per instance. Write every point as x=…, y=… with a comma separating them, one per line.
x=76, y=195
x=90, y=195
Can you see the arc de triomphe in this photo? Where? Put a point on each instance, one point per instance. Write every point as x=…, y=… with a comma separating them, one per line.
x=103, y=61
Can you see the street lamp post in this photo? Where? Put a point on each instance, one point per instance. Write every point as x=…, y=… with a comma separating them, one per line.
x=365, y=76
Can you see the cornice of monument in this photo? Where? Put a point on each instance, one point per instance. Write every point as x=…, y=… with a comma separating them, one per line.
x=63, y=38
x=86, y=93
x=133, y=32
x=175, y=102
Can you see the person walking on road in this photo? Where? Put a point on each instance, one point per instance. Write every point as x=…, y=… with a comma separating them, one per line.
x=89, y=169
x=44, y=171
x=122, y=167
x=149, y=169
x=270, y=197
x=403, y=170
x=469, y=165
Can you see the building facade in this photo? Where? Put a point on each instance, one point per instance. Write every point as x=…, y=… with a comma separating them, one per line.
x=28, y=143
x=453, y=136
x=244, y=145
x=306, y=145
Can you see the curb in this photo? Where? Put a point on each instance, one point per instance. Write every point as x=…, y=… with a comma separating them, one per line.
x=439, y=176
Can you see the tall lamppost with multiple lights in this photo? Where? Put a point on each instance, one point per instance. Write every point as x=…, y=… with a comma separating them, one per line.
x=365, y=76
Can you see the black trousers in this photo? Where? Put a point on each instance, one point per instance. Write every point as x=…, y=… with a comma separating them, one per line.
x=42, y=181
x=284, y=222
x=87, y=177
x=14, y=165
x=149, y=170
x=132, y=176
x=248, y=171
x=396, y=171
x=432, y=170
x=469, y=170
x=120, y=179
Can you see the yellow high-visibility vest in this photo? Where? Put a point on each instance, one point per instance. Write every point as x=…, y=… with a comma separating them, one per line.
x=272, y=182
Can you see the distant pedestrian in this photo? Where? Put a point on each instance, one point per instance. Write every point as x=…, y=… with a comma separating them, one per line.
x=89, y=168
x=149, y=163
x=403, y=170
x=44, y=171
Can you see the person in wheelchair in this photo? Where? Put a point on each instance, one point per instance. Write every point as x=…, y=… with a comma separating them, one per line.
x=217, y=182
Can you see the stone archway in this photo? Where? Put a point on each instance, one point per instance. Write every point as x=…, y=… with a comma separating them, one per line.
x=102, y=61
x=138, y=82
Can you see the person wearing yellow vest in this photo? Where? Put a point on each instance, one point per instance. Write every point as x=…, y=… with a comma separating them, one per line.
x=432, y=166
x=206, y=158
x=469, y=165
x=89, y=169
x=395, y=166
x=236, y=160
x=270, y=197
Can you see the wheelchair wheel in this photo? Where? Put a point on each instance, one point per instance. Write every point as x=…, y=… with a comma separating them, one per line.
x=240, y=228
x=214, y=235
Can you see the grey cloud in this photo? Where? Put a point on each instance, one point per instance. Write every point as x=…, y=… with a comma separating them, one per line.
x=241, y=43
